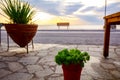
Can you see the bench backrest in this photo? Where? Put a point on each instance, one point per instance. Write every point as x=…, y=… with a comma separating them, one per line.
x=63, y=24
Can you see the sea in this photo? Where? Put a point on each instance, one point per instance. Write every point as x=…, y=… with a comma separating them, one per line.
x=72, y=27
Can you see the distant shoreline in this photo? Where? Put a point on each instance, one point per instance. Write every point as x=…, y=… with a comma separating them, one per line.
x=80, y=28
x=91, y=30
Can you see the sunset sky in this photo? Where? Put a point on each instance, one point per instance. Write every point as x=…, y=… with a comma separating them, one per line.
x=49, y=12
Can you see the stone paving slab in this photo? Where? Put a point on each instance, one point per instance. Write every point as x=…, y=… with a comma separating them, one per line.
x=39, y=63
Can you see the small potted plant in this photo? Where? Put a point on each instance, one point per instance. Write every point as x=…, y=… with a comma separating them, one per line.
x=72, y=62
x=20, y=16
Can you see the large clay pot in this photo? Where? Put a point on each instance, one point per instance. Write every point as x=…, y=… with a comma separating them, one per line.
x=72, y=71
x=21, y=34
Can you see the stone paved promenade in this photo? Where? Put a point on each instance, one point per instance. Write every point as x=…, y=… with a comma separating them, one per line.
x=39, y=63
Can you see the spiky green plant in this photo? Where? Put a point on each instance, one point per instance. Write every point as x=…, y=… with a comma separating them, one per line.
x=19, y=12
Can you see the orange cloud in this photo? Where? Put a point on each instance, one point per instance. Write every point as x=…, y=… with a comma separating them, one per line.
x=54, y=20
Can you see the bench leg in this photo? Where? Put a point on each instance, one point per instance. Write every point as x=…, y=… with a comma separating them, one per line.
x=0, y=36
x=7, y=42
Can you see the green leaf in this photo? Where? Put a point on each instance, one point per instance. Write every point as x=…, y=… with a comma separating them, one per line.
x=17, y=11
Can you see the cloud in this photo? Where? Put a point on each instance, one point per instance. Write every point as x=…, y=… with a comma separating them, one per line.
x=96, y=3
x=72, y=8
x=48, y=6
x=113, y=8
x=89, y=11
x=56, y=7
x=92, y=19
x=94, y=14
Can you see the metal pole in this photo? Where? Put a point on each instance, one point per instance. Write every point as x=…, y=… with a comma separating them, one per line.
x=105, y=7
x=7, y=42
x=0, y=35
x=32, y=44
x=27, y=49
x=105, y=12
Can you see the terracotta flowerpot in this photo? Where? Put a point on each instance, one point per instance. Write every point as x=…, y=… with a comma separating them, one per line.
x=72, y=71
x=21, y=34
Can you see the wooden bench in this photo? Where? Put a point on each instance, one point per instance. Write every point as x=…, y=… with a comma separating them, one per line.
x=64, y=24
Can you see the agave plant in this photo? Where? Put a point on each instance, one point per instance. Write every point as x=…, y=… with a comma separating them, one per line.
x=17, y=11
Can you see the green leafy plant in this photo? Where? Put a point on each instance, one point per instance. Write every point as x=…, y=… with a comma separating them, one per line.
x=17, y=11
x=72, y=56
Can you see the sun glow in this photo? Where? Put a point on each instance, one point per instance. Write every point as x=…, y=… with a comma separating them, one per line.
x=42, y=16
